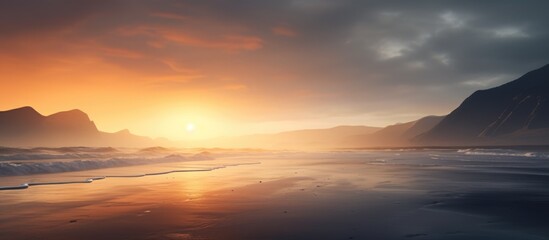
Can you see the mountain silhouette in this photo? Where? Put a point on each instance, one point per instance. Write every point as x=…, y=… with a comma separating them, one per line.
x=306, y=139
x=513, y=113
x=25, y=127
x=397, y=135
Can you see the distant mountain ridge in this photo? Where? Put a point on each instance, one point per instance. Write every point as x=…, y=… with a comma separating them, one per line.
x=306, y=138
x=22, y=127
x=397, y=135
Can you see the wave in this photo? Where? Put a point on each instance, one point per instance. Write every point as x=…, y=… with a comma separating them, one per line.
x=500, y=152
x=92, y=179
x=78, y=149
x=15, y=154
x=9, y=150
x=40, y=167
x=46, y=156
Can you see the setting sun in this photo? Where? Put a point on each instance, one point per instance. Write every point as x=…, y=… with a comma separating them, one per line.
x=190, y=127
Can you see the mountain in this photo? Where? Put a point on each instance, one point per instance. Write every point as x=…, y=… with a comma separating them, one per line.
x=397, y=135
x=25, y=127
x=514, y=113
x=303, y=139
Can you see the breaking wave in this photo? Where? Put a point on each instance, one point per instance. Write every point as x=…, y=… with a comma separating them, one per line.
x=500, y=152
x=22, y=161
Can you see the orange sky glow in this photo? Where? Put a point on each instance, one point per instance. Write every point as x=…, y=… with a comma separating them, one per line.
x=229, y=70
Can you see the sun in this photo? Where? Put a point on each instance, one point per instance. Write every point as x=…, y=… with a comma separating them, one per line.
x=190, y=127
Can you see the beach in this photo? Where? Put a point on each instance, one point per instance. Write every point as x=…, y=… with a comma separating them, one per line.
x=382, y=194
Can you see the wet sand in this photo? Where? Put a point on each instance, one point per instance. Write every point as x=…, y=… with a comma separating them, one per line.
x=440, y=194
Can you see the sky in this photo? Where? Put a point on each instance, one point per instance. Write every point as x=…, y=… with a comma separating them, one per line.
x=241, y=66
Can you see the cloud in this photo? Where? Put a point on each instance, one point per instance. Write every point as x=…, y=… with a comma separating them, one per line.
x=231, y=43
x=227, y=42
x=389, y=49
x=176, y=67
x=236, y=87
x=345, y=58
x=452, y=20
x=284, y=31
x=119, y=52
x=168, y=15
x=509, y=32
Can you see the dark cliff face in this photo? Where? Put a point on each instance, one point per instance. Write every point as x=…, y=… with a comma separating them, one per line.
x=16, y=121
x=520, y=105
x=421, y=126
x=25, y=125
x=73, y=120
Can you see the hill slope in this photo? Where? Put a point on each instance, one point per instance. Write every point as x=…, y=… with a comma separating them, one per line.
x=397, y=135
x=299, y=139
x=507, y=114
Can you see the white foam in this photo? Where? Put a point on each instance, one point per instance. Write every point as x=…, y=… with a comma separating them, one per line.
x=10, y=168
x=92, y=179
x=496, y=152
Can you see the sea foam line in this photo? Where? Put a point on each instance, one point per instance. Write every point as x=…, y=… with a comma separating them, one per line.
x=92, y=179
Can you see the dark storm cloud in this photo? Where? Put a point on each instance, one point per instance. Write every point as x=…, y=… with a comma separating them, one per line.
x=20, y=17
x=348, y=56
